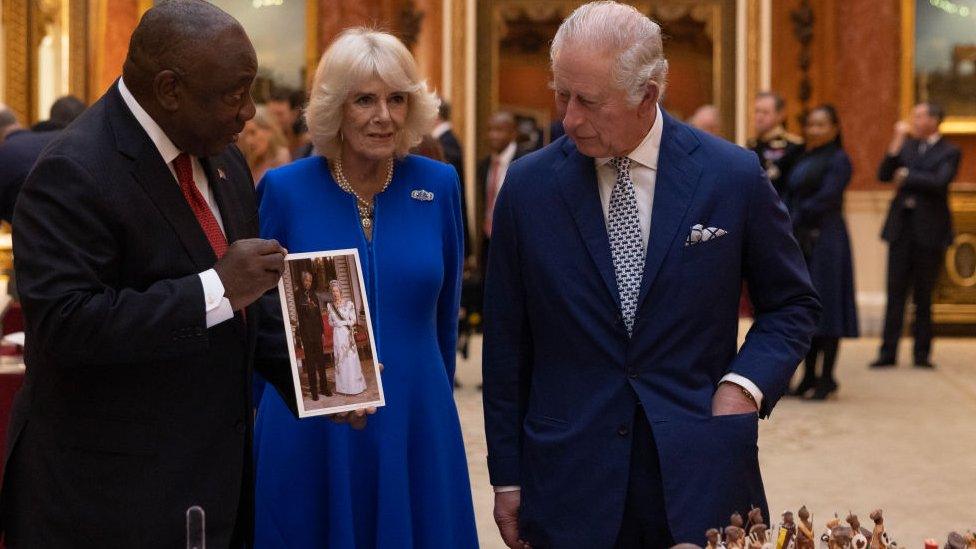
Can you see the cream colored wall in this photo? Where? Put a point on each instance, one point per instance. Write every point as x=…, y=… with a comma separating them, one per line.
x=865, y=213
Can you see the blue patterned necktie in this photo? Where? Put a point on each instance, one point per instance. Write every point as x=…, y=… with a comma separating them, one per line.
x=626, y=244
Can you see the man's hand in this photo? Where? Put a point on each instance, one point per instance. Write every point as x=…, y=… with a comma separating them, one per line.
x=902, y=131
x=730, y=399
x=249, y=268
x=901, y=174
x=506, y=517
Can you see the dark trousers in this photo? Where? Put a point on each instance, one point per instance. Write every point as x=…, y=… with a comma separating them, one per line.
x=910, y=265
x=825, y=347
x=318, y=380
x=645, y=524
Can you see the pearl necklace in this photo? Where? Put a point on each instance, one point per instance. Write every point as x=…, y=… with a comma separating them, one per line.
x=364, y=206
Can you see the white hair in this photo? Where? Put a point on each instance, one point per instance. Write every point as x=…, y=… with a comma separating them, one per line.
x=627, y=34
x=357, y=55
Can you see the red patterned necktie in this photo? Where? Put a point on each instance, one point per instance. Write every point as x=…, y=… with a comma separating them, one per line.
x=205, y=216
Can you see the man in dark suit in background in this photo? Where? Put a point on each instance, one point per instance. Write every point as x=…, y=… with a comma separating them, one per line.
x=17, y=156
x=310, y=329
x=503, y=150
x=454, y=155
x=63, y=112
x=921, y=163
x=8, y=122
x=136, y=259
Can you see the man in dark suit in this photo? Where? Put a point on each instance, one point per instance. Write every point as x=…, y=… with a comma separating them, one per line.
x=921, y=163
x=618, y=410
x=18, y=154
x=310, y=328
x=136, y=262
x=454, y=155
x=503, y=150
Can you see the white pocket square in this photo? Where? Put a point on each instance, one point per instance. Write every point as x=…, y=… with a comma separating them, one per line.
x=700, y=233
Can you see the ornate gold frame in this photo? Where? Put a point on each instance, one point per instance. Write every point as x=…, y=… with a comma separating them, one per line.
x=950, y=261
x=18, y=49
x=952, y=124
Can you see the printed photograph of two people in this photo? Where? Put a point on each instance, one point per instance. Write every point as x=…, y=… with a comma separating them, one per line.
x=330, y=341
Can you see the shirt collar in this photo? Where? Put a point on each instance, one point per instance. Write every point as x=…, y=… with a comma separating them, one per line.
x=164, y=145
x=646, y=154
x=507, y=154
x=933, y=139
x=440, y=129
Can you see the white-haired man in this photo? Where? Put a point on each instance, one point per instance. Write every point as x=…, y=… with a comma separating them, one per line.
x=611, y=375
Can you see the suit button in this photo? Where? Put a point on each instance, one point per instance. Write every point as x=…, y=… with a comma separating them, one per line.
x=240, y=427
x=623, y=430
x=632, y=373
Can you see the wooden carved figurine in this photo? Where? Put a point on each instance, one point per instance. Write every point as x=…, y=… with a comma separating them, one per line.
x=804, y=530
x=879, y=540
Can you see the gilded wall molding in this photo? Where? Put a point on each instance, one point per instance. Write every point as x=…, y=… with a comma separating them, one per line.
x=17, y=77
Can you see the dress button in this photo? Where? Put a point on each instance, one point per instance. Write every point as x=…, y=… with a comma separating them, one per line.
x=623, y=430
x=240, y=427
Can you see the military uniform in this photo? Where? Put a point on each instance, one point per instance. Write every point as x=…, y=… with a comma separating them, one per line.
x=778, y=150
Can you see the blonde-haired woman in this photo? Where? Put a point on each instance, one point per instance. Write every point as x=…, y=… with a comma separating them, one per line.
x=263, y=144
x=402, y=481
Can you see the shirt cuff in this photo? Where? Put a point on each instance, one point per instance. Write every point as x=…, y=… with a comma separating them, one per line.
x=749, y=386
x=500, y=489
x=216, y=306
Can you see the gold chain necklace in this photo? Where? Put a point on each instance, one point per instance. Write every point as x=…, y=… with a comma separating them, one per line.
x=364, y=206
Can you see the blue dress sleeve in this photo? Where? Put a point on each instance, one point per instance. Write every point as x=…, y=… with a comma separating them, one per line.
x=448, y=302
x=269, y=210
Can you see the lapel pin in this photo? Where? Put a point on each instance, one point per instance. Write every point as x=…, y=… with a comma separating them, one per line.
x=422, y=195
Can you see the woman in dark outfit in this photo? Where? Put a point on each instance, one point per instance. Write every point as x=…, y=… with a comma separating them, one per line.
x=816, y=199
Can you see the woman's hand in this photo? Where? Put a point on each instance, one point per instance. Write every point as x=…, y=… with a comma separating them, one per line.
x=356, y=418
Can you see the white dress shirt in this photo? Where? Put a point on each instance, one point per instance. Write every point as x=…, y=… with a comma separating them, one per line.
x=643, y=171
x=504, y=161
x=440, y=129
x=217, y=307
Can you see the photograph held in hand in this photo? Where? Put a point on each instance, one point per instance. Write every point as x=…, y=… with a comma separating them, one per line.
x=329, y=332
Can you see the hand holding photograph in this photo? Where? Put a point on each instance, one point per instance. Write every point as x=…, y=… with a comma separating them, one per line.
x=329, y=332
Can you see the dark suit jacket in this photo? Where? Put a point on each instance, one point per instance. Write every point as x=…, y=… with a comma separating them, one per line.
x=131, y=410
x=454, y=156
x=927, y=186
x=17, y=156
x=480, y=190
x=562, y=380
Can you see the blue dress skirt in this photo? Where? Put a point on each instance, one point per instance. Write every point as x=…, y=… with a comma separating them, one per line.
x=402, y=482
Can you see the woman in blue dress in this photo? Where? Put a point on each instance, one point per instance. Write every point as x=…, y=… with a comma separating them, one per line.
x=816, y=201
x=402, y=481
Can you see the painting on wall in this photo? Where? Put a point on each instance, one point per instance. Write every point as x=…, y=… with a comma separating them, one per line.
x=940, y=59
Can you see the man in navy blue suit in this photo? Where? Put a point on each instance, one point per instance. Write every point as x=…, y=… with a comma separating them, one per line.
x=618, y=410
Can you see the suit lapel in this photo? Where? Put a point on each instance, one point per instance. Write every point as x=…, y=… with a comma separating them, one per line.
x=227, y=202
x=149, y=170
x=677, y=178
x=579, y=189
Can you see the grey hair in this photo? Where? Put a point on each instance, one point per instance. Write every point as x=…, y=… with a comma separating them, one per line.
x=355, y=56
x=632, y=37
x=334, y=284
x=7, y=117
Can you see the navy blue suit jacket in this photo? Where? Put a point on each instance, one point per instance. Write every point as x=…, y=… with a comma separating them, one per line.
x=561, y=378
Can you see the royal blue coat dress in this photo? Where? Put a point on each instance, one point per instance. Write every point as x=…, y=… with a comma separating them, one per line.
x=402, y=482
